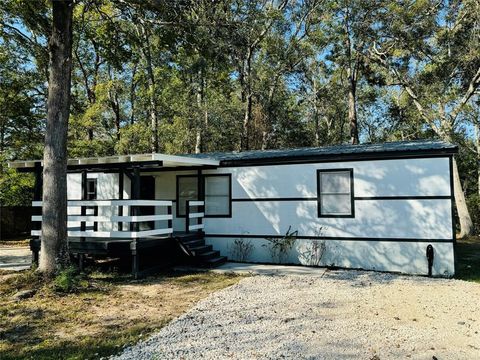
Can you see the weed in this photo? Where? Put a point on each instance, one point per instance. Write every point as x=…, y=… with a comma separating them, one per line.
x=280, y=247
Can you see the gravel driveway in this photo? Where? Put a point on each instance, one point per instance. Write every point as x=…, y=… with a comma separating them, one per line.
x=342, y=315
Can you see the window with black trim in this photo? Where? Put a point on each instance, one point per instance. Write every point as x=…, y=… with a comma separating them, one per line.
x=91, y=189
x=218, y=194
x=187, y=189
x=335, y=193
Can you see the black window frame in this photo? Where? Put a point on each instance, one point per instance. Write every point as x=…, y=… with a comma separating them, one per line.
x=319, y=193
x=95, y=189
x=229, y=214
x=199, y=183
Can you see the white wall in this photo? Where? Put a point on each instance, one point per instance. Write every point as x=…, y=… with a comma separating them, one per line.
x=409, y=177
x=375, y=221
x=382, y=219
x=165, y=189
x=107, y=188
x=404, y=257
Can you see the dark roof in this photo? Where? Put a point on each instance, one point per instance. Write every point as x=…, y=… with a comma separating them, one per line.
x=387, y=149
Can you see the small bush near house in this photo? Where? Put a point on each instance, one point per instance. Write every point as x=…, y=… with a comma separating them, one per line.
x=312, y=252
x=280, y=247
x=68, y=280
x=241, y=250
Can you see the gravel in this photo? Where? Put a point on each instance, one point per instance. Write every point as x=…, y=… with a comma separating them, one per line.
x=340, y=315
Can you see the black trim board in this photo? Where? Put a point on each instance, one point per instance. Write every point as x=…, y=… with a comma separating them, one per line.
x=359, y=198
x=337, y=158
x=329, y=238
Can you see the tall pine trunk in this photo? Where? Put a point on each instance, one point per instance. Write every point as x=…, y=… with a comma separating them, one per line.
x=147, y=55
x=54, y=251
x=248, y=97
x=352, y=110
x=464, y=218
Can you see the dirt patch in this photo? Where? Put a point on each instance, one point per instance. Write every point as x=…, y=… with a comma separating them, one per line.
x=108, y=314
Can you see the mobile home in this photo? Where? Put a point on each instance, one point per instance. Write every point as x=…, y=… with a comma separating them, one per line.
x=371, y=206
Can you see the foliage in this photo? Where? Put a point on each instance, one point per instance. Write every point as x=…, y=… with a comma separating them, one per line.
x=68, y=280
x=280, y=247
x=312, y=250
x=200, y=76
x=15, y=188
x=241, y=250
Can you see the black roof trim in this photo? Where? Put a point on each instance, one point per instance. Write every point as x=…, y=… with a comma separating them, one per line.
x=399, y=149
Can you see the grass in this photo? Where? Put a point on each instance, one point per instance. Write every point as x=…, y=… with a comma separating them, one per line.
x=103, y=313
x=468, y=259
x=16, y=242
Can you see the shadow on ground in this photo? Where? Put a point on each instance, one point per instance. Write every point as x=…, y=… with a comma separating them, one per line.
x=468, y=259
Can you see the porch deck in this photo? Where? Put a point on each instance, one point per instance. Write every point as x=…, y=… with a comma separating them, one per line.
x=148, y=254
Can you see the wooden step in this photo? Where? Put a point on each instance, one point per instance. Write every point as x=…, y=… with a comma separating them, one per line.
x=208, y=255
x=194, y=243
x=197, y=250
x=214, y=262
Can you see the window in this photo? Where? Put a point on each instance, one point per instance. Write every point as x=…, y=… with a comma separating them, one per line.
x=187, y=189
x=335, y=193
x=91, y=189
x=217, y=194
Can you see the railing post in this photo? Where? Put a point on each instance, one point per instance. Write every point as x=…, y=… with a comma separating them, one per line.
x=120, y=197
x=169, y=212
x=201, y=209
x=187, y=216
x=37, y=196
x=83, y=212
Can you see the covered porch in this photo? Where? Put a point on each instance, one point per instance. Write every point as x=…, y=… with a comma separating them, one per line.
x=116, y=210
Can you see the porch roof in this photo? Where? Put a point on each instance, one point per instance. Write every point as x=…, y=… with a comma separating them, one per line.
x=123, y=161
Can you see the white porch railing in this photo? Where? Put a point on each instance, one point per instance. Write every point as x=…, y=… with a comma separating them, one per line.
x=199, y=215
x=114, y=206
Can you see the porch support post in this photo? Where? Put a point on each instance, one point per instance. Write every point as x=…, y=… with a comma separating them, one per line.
x=120, y=196
x=135, y=226
x=37, y=196
x=83, y=212
x=135, y=196
x=201, y=196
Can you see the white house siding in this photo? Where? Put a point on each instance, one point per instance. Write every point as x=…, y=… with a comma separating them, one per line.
x=107, y=189
x=385, y=234
x=165, y=189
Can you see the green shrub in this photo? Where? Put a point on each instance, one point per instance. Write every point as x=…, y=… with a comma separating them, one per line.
x=68, y=280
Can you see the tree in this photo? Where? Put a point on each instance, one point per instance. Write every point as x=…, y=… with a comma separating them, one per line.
x=423, y=49
x=54, y=217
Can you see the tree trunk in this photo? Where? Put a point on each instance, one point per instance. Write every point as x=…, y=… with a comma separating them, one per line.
x=466, y=224
x=133, y=88
x=151, y=90
x=477, y=145
x=2, y=135
x=248, y=102
x=202, y=121
x=352, y=111
x=54, y=251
